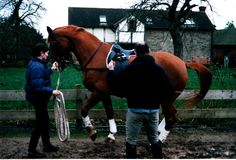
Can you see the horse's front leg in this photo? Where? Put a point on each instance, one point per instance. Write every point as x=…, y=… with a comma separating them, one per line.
x=167, y=123
x=92, y=101
x=110, y=115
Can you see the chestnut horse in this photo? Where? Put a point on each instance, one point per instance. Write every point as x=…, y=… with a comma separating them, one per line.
x=91, y=54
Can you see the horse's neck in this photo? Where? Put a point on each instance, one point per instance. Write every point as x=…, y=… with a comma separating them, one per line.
x=91, y=53
x=87, y=47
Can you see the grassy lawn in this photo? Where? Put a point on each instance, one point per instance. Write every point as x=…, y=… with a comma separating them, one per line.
x=14, y=79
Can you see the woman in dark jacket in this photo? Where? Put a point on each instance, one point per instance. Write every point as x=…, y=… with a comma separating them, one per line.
x=38, y=92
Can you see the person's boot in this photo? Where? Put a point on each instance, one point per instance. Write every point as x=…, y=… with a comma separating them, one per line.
x=36, y=154
x=50, y=148
x=131, y=151
x=157, y=150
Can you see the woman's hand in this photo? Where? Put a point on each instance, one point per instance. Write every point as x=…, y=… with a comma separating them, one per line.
x=54, y=66
x=56, y=92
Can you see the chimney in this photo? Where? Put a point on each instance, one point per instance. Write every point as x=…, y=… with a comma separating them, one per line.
x=202, y=9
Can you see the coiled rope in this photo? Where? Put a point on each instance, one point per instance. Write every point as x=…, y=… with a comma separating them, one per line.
x=61, y=119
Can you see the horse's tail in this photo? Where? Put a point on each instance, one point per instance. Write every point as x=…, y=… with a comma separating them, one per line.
x=205, y=78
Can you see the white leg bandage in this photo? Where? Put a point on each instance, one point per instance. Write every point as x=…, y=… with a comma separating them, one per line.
x=112, y=125
x=87, y=121
x=163, y=132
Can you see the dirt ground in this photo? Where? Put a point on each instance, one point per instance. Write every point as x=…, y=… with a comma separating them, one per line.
x=185, y=141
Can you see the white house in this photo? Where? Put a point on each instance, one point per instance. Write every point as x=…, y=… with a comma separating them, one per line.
x=126, y=27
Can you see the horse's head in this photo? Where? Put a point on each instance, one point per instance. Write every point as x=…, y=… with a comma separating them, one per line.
x=59, y=49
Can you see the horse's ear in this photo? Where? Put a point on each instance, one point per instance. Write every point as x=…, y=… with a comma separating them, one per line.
x=50, y=33
x=49, y=30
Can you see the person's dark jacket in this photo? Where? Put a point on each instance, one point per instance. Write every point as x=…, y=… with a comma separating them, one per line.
x=38, y=81
x=145, y=83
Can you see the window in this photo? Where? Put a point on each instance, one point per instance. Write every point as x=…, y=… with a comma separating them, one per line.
x=132, y=24
x=149, y=20
x=103, y=20
x=189, y=23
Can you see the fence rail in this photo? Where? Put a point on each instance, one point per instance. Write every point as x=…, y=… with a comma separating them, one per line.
x=80, y=94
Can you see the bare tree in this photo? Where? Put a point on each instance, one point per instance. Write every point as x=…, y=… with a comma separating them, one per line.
x=23, y=11
x=17, y=13
x=178, y=12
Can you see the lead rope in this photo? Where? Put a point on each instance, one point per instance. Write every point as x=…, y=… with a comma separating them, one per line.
x=61, y=119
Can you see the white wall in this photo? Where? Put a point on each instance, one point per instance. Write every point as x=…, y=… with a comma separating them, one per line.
x=104, y=34
x=122, y=34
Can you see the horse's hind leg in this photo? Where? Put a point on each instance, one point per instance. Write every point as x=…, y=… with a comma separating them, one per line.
x=92, y=101
x=110, y=115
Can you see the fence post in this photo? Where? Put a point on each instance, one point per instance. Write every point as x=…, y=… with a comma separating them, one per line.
x=78, y=100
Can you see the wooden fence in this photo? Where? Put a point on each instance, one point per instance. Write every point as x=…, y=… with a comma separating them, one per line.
x=80, y=94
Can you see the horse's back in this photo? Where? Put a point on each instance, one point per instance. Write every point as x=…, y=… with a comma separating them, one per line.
x=174, y=67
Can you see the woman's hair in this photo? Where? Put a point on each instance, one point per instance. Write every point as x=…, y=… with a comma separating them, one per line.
x=39, y=47
x=141, y=49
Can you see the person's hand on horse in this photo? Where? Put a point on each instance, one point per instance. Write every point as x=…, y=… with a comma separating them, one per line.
x=111, y=65
x=54, y=66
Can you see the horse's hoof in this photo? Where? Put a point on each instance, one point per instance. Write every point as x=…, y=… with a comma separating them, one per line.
x=109, y=140
x=93, y=136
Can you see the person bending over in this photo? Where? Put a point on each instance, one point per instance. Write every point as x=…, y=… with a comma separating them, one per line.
x=146, y=86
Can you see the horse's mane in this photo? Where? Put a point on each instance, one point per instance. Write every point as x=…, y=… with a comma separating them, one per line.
x=72, y=30
x=68, y=29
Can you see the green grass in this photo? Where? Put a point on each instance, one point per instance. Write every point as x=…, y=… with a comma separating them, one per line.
x=223, y=79
x=14, y=79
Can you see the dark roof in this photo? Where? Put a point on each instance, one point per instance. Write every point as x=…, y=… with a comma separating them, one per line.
x=224, y=37
x=89, y=17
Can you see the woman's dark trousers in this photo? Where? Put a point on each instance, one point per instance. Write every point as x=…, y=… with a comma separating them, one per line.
x=41, y=124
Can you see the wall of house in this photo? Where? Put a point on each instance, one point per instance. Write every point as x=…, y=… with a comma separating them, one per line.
x=158, y=40
x=104, y=34
x=196, y=44
x=123, y=35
